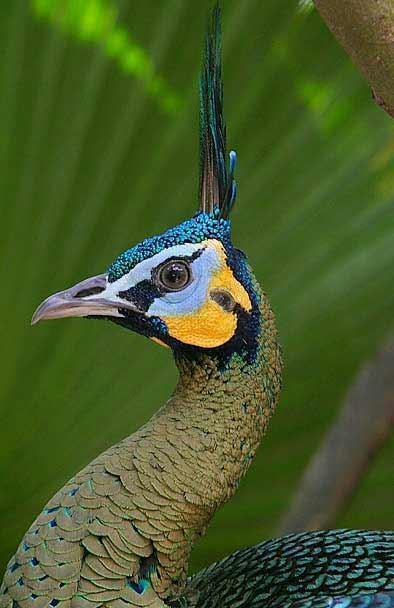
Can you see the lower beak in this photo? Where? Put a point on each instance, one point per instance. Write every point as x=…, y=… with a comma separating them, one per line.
x=85, y=299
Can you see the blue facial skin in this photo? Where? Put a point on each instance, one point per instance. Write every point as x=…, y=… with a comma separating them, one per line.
x=199, y=228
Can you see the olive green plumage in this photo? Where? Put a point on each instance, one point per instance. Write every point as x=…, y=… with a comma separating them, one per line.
x=130, y=518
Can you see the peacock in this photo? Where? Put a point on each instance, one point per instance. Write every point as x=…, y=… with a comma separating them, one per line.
x=120, y=532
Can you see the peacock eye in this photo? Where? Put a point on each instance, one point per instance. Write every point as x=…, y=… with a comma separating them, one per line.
x=174, y=275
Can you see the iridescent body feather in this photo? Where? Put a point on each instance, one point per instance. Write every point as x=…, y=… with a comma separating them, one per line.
x=333, y=569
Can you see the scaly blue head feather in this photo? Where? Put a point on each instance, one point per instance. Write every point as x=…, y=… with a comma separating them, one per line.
x=195, y=230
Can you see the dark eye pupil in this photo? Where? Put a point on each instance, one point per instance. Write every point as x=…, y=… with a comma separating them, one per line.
x=175, y=275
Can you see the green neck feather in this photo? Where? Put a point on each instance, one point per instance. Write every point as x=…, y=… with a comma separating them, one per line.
x=207, y=434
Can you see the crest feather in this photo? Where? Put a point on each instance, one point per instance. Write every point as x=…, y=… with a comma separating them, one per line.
x=217, y=185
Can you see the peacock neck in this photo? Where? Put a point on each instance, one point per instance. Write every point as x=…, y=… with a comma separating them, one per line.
x=220, y=410
x=199, y=445
x=188, y=459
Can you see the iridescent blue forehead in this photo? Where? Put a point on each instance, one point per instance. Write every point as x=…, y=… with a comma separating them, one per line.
x=199, y=228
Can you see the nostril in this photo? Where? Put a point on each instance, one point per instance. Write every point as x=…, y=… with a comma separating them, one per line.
x=91, y=291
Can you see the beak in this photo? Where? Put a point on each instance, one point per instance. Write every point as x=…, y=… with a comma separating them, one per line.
x=91, y=297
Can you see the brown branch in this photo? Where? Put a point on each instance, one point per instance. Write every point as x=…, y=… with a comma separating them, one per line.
x=365, y=28
x=363, y=425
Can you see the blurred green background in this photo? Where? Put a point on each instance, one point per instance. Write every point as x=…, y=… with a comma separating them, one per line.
x=99, y=148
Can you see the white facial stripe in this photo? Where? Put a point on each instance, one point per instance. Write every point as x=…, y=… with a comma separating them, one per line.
x=143, y=271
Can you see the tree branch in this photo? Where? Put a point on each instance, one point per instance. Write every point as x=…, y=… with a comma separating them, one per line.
x=365, y=28
x=363, y=425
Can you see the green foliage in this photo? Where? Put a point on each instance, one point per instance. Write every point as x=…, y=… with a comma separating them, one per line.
x=96, y=21
x=305, y=6
x=89, y=164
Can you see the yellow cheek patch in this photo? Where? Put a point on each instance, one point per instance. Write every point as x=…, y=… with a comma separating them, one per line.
x=210, y=325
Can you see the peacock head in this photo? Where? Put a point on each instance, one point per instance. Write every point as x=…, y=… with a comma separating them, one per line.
x=188, y=288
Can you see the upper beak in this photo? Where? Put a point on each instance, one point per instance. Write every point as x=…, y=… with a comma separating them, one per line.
x=82, y=300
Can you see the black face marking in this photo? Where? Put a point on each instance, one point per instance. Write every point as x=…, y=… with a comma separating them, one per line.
x=240, y=252
x=224, y=299
x=142, y=295
x=151, y=327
